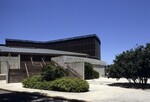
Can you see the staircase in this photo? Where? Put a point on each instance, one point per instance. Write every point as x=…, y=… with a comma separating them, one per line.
x=35, y=69
x=2, y=76
x=17, y=75
x=29, y=68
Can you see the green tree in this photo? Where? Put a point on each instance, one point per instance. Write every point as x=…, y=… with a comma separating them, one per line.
x=133, y=64
x=144, y=63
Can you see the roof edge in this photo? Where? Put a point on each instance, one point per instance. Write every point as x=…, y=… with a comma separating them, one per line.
x=52, y=41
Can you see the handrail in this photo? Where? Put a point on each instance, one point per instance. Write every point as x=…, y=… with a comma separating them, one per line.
x=55, y=63
x=32, y=61
x=43, y=61
x=41, y=65
x=27, y=70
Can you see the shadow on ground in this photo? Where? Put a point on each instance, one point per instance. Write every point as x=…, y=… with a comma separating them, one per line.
x=6, y=96
x=130, y=85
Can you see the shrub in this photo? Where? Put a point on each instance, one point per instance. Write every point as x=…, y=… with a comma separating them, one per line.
x=96, y=74
x=31, y=81
x=36, y=82
x=70, y=85
x=60, y=72
x=62, y=84
x=49, y=81
x=51, y=72
x=90, y=73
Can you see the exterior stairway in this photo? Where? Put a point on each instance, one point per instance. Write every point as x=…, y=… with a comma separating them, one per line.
x=2, y=76
x=34, y=69
x=17, y=75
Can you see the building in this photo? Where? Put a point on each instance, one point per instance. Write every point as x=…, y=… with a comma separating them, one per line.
x=88, y=44
x=23, y=58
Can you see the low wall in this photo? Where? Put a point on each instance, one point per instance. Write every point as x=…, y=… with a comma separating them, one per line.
x=14, y=63
x=78, y=67
x=101, y=71
x=97, y=64
x=60, y=60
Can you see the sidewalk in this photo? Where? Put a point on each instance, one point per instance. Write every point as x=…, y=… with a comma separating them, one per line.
x=99, y=92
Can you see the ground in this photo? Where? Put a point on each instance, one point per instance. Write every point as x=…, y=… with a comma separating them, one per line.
x=100, y=91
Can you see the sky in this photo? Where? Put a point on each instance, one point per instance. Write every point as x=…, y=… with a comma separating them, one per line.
x=120, y=24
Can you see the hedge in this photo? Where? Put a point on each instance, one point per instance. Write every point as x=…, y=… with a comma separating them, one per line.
x=70, y=85
x=36, y=82
x=62, y=84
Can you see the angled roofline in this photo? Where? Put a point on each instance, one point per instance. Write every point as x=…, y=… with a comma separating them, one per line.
x=6, y=49
x=74, y=38
x=21, y=40
x=53, y=41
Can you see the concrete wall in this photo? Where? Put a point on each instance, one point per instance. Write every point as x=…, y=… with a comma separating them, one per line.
x=98, y=64
x=67, y=59
x=83, y=59
x=78, y=67
x=101, y=71
x=60, y=60
x=3, y=67
x=14, y=63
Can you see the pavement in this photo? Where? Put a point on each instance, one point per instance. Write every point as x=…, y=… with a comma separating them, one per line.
x=8, y=96
x=99, y=91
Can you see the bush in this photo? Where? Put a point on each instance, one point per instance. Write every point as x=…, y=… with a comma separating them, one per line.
x=51, y=72
x=62, y=84
x=70, y=85
x=36, y=82
x=90, y=73
x=96, y=74
x=31, y=81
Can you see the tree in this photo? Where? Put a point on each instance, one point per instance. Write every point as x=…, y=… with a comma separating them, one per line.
x=133, y=64
x=144, y=71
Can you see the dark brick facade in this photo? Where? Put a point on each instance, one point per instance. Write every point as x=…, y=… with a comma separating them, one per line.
x=89, y=44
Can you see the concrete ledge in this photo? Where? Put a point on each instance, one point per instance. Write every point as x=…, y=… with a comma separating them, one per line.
x=2, y=76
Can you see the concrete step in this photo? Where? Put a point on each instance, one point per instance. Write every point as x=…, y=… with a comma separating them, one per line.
x=2, y=76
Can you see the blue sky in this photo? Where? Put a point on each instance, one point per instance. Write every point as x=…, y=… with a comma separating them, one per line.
x=120, y=24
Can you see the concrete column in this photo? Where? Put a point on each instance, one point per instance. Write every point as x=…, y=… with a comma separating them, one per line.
x=7, y=73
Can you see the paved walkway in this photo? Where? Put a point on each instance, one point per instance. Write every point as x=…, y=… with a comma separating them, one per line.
x=99, y=92
x=7, y=96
